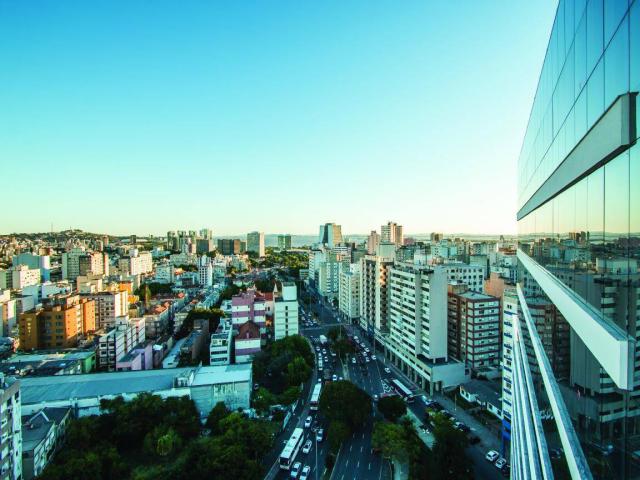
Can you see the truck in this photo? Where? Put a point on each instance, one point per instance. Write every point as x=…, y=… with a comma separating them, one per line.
x=323, y=340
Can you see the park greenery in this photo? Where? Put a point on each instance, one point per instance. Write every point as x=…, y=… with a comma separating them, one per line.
x=292, y=262
x=154, y=438
x=447, y=460
x=280, y=370
x=346, y=407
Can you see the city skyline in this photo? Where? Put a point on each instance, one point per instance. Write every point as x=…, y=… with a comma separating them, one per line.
x=211, y=110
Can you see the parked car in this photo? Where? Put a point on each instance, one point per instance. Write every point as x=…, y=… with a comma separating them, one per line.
x=387, y=370
x=295, y=470
x=320, y=435
x=307, y=446
x=373, y=357
x=492, y=456
x=305, y=472
x=500, y=463
x=334, y=378
x=353, y=360
x=308, y=421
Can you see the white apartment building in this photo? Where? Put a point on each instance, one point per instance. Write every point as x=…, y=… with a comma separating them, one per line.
x=205, y=271
x=285, y=313
x=165, y=273
x=373, y=288
x=11, y=429
x=19, y=277
x=417, y=339
x=255, y=243
x=120, y=340
x=8, y=314
x=328, y=276
x=349, y=291
x=109, y=307
x=509, y=315
x=221, y=342
x=136, y=263
x=471, y=275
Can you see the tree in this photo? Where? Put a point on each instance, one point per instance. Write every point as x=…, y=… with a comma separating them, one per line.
x=392, y=408
x=390, y=439
x=216, y=415
x=345, y=402
x=298, y=371
x=337, y=433
x=449, y=450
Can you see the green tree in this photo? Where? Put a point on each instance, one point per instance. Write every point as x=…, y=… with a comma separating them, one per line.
x=298, y=371
x=392, y=408
x=449, y=450
x=391, y=440
x=337, y=433
x=345, y=402
x=216, y=415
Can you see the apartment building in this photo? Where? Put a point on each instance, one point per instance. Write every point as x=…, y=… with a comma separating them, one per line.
x=471, y=275
x=247, y=342
x=205, y=271
x=578, y=224
x=373, y=289
x=8, y=313
x=221, y=344
x=230, y=246
x=61, y=322
x=19, y=277
x=165, y=273
x=119, y=341
x=417, y=317
x=42, y=262
x=392, y=233
x=109, y=307
x=285, y=311
x=284, y=242
x=249, y=306
x=473, y=327
x=10, y=429
x=42, y=434
x=349, y=292
x=255, y=243
x=136, y=263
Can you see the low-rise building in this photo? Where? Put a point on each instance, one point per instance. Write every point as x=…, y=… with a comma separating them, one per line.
x=247, y=342
x=221, y=343
x=119, y=341
x=206, y=386
x=43, y=433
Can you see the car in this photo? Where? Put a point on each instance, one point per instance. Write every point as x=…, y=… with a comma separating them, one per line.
x=492, y=456
x=353, y=360
x=375, y=397
x=366, y=359
x=373, y=357
x=324, y=351
x=295, y=470
x=305, y=472
x=387, y=370
x=319, y=380
x=367, y=350
x=334, y=378
x=256, y=386
x=308, y=421
x=320, y=435
x=500, y=463
x=333, y=354
x=307, y=446
x=340, y=378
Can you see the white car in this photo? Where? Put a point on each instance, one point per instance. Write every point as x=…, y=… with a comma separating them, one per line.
x=308, y=421
x=334, y=378
x=373, y=357
x=500, y=463
x=353, y=360
x=366, y=359
x=307, y=446
x=387, y=370
x=367, y=350
x=492, y=456
x=320, y=435
x=295, y=470
x=305, y=472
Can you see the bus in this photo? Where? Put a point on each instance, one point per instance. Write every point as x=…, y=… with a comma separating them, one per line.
x=290, y=450
x=402, y=390
x=315, y=396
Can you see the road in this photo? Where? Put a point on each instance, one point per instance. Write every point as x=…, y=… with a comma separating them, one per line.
x=372, y=384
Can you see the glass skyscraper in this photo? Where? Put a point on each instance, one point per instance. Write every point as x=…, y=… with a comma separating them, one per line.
x=572, y=324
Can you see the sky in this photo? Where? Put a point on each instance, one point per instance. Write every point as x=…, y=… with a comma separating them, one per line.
x=147, y=116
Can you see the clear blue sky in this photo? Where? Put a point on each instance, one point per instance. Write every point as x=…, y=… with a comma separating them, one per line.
x=143, y=116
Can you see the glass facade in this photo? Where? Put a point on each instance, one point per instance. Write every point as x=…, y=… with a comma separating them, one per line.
x=587, y=233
